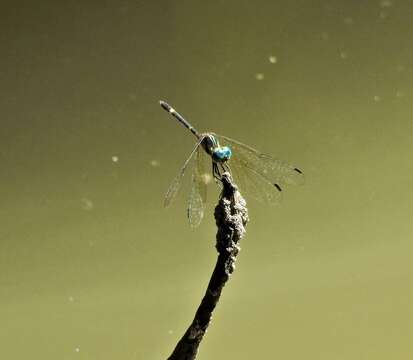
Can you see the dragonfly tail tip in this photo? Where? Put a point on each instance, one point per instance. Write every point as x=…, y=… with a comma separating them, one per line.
x=164, y=105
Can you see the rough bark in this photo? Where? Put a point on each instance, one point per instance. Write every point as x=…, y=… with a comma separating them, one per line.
x=231, y=217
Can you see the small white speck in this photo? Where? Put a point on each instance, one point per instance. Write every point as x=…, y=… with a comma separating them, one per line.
x=343, y=55
x=77, y=349
x=383, y=15
x=86, y=204
x=400, y=68
x=372, y=195
x=123, y=9
x=259, y=76
x=376, y=98
x=272, y=59
x=386, y=3
x=155, y=163
x=132, y=97
x=115, y=159
x=171, y=110
x=324, y=36
x=399, y=93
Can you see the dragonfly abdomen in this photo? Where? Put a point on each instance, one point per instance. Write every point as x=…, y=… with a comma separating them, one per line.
x=179, y=117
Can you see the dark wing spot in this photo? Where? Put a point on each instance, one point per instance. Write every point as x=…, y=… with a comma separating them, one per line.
x=298, y=170
x=278, y=187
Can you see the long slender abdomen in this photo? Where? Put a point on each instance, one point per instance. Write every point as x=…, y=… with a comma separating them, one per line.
x=179, y=117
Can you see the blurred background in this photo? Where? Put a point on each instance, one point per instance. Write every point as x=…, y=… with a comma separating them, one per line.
x=91, y=264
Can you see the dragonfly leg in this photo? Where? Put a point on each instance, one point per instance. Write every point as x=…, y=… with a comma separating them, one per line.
x=222, y=169
x=215, y=171
x=218, y=169
x=226, y=167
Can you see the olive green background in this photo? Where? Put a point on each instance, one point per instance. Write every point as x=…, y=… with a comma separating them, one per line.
x=91, y=264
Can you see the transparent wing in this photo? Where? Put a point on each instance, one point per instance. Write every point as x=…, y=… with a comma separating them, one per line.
x=197, y=196
x=176, y=183
x=255, y=185
x=274, y=170
x=203, y=176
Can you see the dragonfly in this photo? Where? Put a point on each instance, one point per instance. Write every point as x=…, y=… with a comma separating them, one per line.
x=259, y=175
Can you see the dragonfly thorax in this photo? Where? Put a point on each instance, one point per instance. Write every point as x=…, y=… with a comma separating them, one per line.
x=218, y=153
x=221, y=154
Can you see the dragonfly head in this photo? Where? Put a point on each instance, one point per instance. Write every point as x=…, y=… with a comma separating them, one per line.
x=221, y=154
x=209, y=143
x=218, y=153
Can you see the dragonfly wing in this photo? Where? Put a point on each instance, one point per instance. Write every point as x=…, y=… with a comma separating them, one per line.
x=176, y=183
x=197, y=196
x=255, y=185
x=274, y=170
x=203, y=176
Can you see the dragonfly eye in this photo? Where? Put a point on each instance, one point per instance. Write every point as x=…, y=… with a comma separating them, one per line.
x=209, y=144
x=222, y=154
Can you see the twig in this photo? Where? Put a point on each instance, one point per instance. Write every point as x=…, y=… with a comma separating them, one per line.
x=231, y=217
